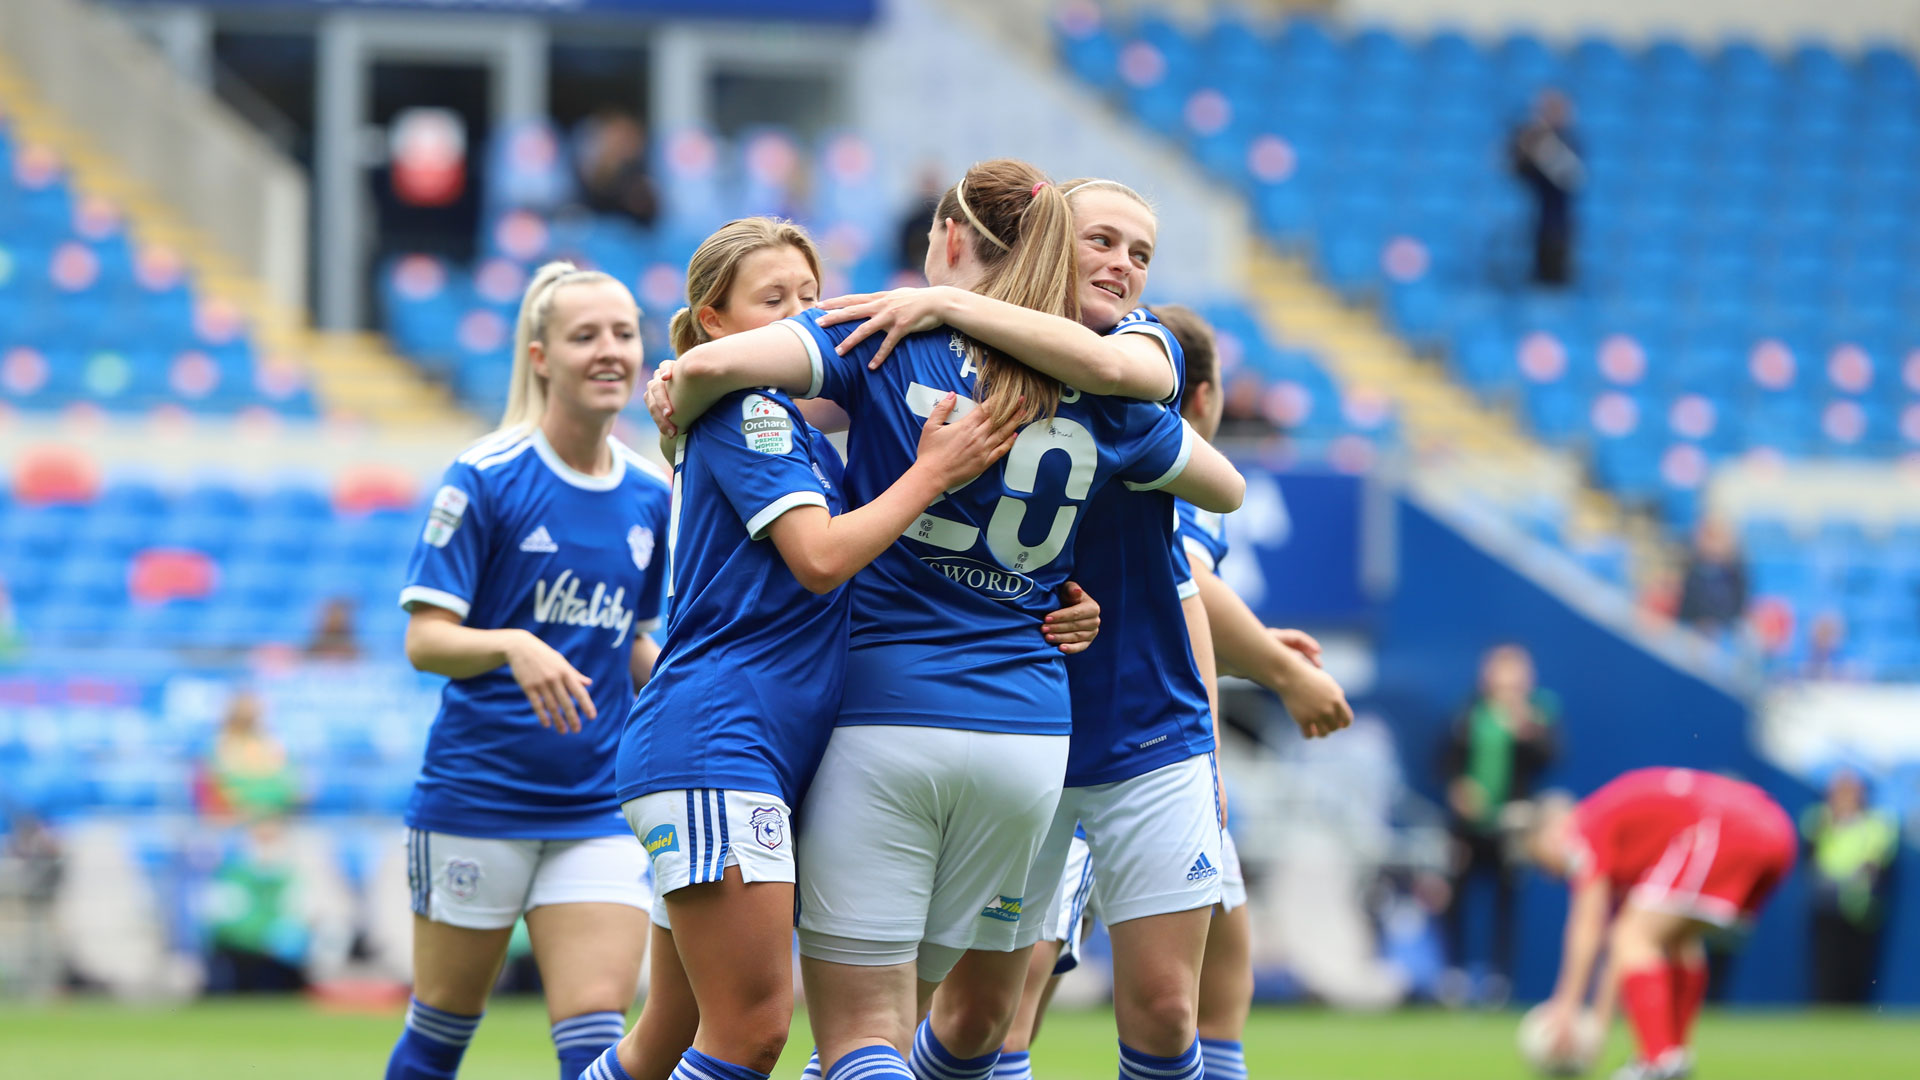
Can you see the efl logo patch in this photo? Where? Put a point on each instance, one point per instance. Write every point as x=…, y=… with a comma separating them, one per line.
x=463, y=877
x=765, y=425
x=1007, y=909
x=449, y=506
x=768, y=827
x=663, y=838
x=640, y=544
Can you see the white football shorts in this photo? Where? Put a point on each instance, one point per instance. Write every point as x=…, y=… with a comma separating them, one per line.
x=1154, y=840
x=916, y=843
x=1067, y=920
x=693, y=834
x=484, y=883
x=1233, y=881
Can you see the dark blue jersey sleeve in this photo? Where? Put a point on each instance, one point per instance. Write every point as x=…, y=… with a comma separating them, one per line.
x=757, y=450
x=1153, y=445
x=1142, y=321
x=842, y=379
x=445, y=568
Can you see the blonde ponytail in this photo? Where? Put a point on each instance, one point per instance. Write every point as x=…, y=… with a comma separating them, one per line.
x=1023, y=228
x=526, y=388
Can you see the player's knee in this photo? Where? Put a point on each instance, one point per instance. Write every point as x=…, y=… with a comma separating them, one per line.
x=974, y=1027
x=1159, y=1018
x=753, y=1032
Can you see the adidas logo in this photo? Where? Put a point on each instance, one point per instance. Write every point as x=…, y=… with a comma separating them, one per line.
x=539, y=542
x=1202, y=869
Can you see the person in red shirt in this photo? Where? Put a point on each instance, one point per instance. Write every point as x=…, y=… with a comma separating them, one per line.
x=1656, y=858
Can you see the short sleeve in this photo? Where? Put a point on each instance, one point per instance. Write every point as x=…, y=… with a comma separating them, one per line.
x=1142, y=321
x=842, y=379
x=452, y=547
x=1155, y=448
x=756, y=452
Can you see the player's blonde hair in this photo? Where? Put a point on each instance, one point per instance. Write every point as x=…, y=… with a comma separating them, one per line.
x=711, y=271
x=1023, y=235
x=1073, y=188
x=527, y=388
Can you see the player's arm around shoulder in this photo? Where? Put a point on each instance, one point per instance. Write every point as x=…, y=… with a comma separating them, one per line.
x=1204, y=476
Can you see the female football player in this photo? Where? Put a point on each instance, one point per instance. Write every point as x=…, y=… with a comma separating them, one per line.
x=945, y=769
x=532, y=588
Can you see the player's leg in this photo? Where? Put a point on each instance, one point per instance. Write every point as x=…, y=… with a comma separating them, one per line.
x=868, y=850
x=1226, y=974
x=723, y=866
x=1156, y=840
x=1035, y=996
x=1001, y=817
x=467, y=894
x=735, y=940
x=670, y=1017
x=1687, y=970
x=587, y=916
x=1639, y=946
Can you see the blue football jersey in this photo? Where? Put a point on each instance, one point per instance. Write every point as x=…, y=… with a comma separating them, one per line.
x=748, y=682
x=946, y=622
x=1203, y=534
x=1142, y=321
x=1138, y=700
x=517, y=538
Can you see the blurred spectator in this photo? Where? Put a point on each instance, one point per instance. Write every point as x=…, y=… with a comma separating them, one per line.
x=9, y=624
x=1826, y=640
x=918, y=218
x=258, y=942
x=1713, y=589
x=30, y=870
x=247, y=775
x=335, y=640
x=1546, y=158
x=1498, y=748
x=1243, y=413
x=1852, y=848
x=610, y=154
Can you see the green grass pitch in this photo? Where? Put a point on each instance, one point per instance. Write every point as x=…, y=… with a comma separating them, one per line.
x=291, y=1040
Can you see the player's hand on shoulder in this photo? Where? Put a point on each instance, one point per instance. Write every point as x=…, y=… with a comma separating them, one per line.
x=557, y=692
x=962, y=450
x=897, y=313
x=1317, y=703
x=1073, y=626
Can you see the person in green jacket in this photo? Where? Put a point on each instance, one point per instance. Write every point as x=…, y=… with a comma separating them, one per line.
x=1504, y=739
x=1851, y=848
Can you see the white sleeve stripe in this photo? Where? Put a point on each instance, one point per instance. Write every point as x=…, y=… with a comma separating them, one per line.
x=648, y=626
x=757, y=527
x=1197, y=552
x=1165, y=337
x=420, y=594
x=1179, y=463
x=813, y=356
x=1188, y=589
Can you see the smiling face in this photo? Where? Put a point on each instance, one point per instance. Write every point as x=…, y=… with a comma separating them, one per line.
x=1114, y=237
x=590, y=355
x=770, y=284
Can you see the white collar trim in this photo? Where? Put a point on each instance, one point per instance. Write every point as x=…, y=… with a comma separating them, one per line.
x=574, y=476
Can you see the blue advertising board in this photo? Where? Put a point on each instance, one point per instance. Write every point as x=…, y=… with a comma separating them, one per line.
x=1296, y=547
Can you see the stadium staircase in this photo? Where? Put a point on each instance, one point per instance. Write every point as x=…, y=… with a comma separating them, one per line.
x=355, y=376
